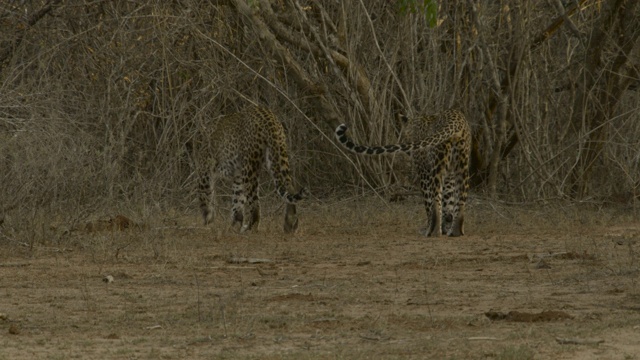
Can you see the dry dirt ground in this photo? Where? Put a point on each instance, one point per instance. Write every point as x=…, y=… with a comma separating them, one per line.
x=356, y=282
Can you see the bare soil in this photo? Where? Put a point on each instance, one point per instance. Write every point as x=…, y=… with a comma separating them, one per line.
x=356, y=281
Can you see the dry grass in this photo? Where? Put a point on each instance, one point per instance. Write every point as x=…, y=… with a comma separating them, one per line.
x=98, y=100
x=356, y=282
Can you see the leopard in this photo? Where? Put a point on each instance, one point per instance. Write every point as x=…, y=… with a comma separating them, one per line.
x=237, y=146
x=440, y=148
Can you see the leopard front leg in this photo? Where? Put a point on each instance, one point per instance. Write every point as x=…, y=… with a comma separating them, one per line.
x=251, y=210
x=206, y=195
x=238, y=201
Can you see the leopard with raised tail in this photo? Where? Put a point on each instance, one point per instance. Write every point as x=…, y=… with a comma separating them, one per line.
x=440, y=147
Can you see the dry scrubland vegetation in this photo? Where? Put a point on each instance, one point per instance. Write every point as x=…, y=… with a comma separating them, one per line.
x=99, y=98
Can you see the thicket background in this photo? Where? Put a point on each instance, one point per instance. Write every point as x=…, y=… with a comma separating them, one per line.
x=97, y=98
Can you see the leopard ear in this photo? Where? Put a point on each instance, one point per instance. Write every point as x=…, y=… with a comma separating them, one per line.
x=402, y=118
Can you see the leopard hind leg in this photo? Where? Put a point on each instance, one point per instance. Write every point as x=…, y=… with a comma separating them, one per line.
x=456, y=189
x=431, y=186
x=450, y=205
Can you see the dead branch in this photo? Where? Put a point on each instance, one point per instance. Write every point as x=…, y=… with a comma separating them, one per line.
x=299, y=74
x=7, y=53
x=576, y=341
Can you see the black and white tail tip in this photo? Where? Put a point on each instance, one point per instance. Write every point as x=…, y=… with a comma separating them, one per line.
x=340, y=131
